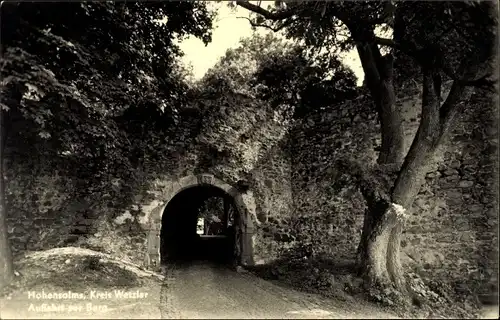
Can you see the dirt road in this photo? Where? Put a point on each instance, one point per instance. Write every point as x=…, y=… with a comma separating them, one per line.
x=57, y=284
x=209, y=291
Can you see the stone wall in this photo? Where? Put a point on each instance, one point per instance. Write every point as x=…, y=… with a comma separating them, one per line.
x=43, y=213
x=272, y=189
x=452, y=232
x=239, y=146
x=34, y=203
x=330, y=218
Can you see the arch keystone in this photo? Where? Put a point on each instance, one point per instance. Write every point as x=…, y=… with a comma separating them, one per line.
x=206, y=179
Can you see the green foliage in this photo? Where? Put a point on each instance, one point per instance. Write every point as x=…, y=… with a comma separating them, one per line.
x=93, y=89
x=283, y=75
x=461, y=38
x=461, y=41
x=305, y=83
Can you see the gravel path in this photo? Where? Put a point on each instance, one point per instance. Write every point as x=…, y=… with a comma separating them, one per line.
x=205, y=291
x=197, y=290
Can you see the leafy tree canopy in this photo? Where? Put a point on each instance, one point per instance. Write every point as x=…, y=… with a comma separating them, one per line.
x=83, y=83
x=463, y=33
x=282, y=74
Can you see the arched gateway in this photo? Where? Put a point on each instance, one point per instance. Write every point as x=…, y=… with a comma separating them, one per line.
x=243, y=225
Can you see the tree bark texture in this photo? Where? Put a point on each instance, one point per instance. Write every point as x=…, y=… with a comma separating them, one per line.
x=379, y=79
x=373, y=212
x=6, y=262
x=378, y=251
x=381, y=256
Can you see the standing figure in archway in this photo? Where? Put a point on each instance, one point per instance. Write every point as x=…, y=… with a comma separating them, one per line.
x=230, y=251
x=236, y=241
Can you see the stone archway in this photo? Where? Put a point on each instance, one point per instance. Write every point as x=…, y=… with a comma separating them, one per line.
x=244, y=204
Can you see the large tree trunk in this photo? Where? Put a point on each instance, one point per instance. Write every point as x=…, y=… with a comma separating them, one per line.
x=373, y=212
x=394, y=266
x=382, y=264
x=379, y=249
x=379, y=79
x=6, y=262
x=377, y=253
x=367, y=229
x=433, y=129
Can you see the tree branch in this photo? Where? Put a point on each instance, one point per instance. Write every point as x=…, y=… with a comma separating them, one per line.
x=405, y=48
x=275, y=16
x=449, y=109
x=437, y=81
x=386, y=42
x=369, y=66
x=430, y=103
x=484, y=82
x=257, y=25
x=417, y=54
x=424, y=144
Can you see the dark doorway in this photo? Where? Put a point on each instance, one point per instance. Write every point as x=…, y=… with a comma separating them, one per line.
x=200, y=224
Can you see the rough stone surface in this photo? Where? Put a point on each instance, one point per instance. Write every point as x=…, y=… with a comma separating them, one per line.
x=293, y=203
x=452, y=231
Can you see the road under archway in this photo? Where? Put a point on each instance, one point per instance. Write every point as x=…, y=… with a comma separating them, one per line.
x=201, y=223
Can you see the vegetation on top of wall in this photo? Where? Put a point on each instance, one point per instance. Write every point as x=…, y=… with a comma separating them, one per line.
x=90, y=91
x=101, y=116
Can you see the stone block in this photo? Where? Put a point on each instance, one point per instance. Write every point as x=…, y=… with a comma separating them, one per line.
x=475, y=208
x=455, y=164
x=450, y=172
x=492, y=213
x=465, y=184
x=444, y=238
x=467, y=237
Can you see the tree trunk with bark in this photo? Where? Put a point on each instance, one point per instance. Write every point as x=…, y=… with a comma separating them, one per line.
x=381, y=239
x=6, y=262
x=378, y=252
x=376, y=245
x=379, y=248
x=379, y=78
x=381, y=264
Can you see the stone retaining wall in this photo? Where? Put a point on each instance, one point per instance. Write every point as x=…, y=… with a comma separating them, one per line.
x=453, y=230
x=452, y=233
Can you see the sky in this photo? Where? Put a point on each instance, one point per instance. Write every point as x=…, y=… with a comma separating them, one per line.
x=229, y=29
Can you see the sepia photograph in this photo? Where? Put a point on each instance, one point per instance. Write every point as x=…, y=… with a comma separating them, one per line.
x=249, y=159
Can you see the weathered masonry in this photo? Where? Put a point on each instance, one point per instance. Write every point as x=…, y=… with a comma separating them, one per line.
x=452, y=234
x=244, y=227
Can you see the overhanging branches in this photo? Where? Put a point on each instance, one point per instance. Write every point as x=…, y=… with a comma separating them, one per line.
x=286, y=17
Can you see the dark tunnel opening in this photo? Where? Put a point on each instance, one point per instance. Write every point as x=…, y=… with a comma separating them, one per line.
x=200, y=224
